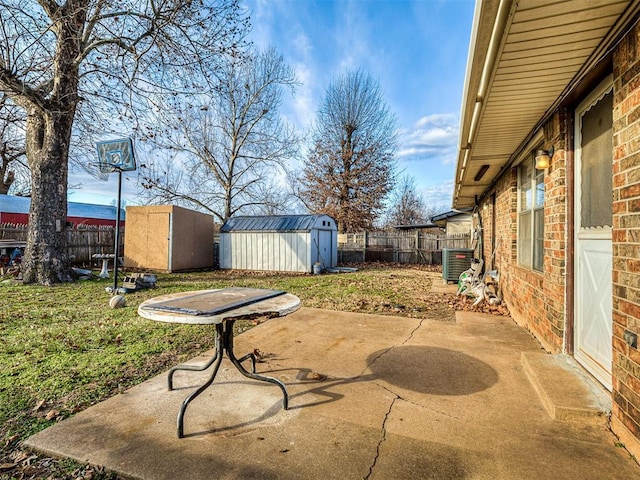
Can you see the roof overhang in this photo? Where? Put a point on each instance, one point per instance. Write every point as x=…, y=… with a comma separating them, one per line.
x=525, y=58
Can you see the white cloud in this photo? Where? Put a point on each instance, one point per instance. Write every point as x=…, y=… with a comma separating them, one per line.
x=303, y=104
x=87, y=189
x=436, y=119
x=432, y=137
x=352, y=33
x=439, y=195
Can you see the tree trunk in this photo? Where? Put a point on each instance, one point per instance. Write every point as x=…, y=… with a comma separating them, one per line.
x=48, y=135
x=49, y=123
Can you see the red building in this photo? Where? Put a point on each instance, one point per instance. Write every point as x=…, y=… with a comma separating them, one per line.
x=16, y=210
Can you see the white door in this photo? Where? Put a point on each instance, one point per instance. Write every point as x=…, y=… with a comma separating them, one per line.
x=593, y=246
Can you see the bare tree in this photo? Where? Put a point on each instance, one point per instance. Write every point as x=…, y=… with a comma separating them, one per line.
x=406, y=206
x=231, y=147
x=58, y=57
x=351, y=166
x=13, y=169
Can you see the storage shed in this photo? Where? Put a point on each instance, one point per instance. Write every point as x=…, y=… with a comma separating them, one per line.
x=168, y=238
x=281, y=243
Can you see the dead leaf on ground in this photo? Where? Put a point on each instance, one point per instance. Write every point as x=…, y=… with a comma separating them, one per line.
x=21, y=457
x=260, y=356
x=38, y=405
x=52, y=414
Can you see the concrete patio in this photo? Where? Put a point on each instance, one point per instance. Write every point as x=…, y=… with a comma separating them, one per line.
x=374, y=397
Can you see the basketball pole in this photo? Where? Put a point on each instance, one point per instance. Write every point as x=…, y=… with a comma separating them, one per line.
x=116, y=248
x=116, y=156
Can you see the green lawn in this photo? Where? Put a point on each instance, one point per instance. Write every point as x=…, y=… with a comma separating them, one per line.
x=63, y=349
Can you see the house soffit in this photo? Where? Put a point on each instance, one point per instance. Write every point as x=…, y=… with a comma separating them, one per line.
x=524, y=56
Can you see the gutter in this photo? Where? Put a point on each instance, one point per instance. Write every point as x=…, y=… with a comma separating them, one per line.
x=494, y=46
x=623, y=26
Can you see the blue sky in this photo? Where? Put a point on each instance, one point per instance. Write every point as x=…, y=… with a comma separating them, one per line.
x=416, y=49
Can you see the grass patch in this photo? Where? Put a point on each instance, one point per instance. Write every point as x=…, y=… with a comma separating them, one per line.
x=63, y=349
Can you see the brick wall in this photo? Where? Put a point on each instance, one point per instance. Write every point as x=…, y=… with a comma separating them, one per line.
x=626, y=241
x=536, y=300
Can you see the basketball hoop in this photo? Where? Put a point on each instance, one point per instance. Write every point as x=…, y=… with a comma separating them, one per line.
x=116, y=156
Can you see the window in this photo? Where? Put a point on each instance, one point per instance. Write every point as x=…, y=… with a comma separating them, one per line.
x=530, y=215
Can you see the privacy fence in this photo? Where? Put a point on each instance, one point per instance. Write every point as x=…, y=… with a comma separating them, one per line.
x=397, y=247
x=83, y=241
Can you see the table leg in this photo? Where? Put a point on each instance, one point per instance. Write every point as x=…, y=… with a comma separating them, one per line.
x=192, y=368
x=228, y=333
x=224, y=343
x=104, y=273
x=218, y=360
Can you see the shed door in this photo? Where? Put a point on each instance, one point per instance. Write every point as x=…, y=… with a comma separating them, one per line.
x=593, y=245
x=326, y=248
x=158, y=238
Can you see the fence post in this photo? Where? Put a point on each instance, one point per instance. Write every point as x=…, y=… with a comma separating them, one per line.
x=365, y=244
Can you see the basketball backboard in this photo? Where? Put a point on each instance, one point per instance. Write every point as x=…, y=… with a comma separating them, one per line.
x=116, y=155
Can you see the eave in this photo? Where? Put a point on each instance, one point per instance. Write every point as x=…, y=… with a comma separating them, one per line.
x=525, y=58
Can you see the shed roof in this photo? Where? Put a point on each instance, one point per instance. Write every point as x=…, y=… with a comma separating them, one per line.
x=443, y=217
x=415, y=226
x=277, y=223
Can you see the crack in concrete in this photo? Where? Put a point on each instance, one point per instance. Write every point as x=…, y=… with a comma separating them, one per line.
x=383, y=437
x=409, y=337
x=397, y=397
x=412, y=333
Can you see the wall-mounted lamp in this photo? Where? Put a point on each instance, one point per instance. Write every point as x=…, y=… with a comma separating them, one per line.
x=543, y=158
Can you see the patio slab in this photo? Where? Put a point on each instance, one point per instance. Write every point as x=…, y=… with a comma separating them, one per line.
x=371, y=396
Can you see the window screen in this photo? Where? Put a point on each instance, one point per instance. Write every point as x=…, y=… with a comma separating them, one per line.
x=596, y=187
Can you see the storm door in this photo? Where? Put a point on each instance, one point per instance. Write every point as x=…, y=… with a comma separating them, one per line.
x=593, y=245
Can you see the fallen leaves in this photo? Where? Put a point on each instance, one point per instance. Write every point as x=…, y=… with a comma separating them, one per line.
x=465, y=303
x=52, y=414
x=38, y=405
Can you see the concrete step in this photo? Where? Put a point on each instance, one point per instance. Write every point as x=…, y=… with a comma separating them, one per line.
x=566, y=391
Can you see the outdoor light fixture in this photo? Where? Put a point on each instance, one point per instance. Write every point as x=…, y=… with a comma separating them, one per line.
x=543, y=158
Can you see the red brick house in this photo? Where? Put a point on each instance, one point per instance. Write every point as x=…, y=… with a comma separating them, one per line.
x=562, y=78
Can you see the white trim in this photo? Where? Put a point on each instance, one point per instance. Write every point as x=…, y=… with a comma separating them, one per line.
x=586, y=235
x=592, y=99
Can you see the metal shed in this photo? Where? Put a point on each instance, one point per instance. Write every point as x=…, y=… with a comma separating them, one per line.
x=281, y=243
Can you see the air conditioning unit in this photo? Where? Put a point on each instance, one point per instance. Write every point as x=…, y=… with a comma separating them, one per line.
x=454, y=262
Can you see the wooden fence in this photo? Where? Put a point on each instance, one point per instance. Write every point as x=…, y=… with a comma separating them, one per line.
x=82, y=241
x=398, y=247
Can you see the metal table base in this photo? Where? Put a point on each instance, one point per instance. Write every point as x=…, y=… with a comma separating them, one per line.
x=223, y=344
